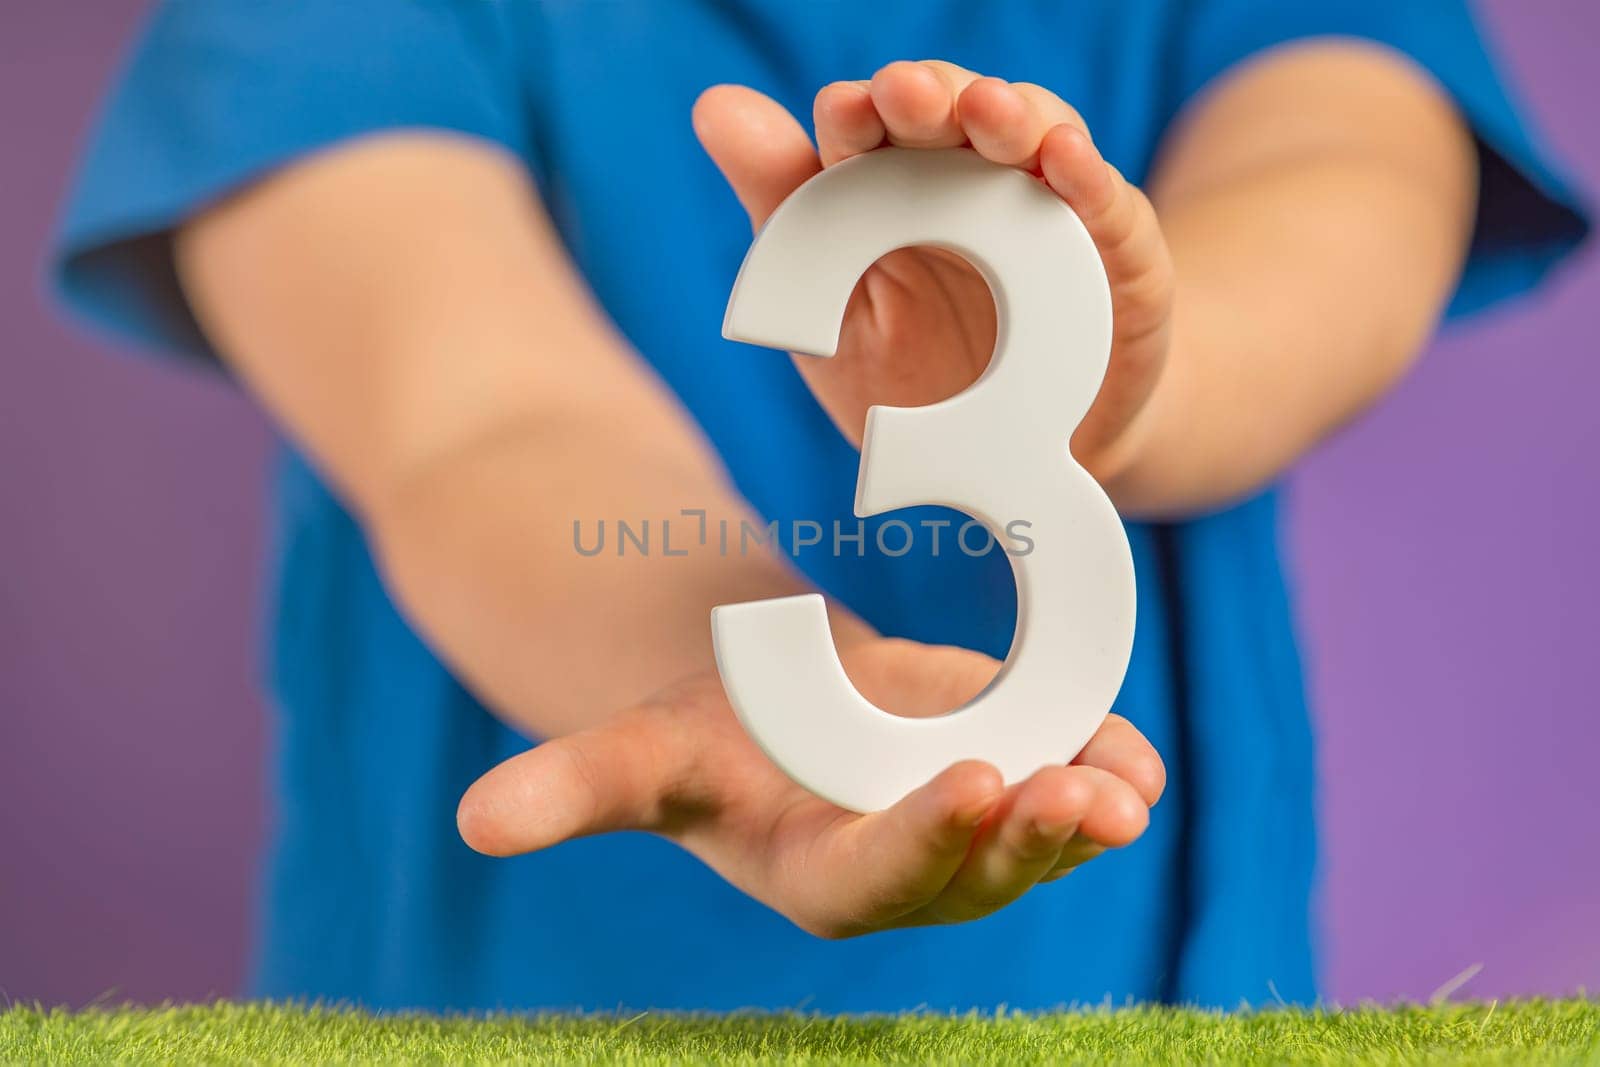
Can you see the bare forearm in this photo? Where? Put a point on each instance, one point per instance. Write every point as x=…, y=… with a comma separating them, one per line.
x=465, y=398
x=1287, y=324
x=1309, y=274
x=483, y=557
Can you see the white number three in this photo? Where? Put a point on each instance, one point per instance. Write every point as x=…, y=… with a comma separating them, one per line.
x=997, y=451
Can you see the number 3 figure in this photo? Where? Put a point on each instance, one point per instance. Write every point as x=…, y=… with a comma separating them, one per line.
x=997, y=451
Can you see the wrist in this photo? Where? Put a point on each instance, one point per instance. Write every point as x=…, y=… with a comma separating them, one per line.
x=1134, y=466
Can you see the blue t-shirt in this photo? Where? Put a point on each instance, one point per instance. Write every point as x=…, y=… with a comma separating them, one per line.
x=371, y=896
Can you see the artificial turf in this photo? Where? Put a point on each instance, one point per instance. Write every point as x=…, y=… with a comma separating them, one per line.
x=1521, y=1032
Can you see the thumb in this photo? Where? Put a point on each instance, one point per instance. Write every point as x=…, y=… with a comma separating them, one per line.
x=617, y=776
x=761, y=150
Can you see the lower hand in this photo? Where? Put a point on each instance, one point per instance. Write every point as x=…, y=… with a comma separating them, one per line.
x=960, y=847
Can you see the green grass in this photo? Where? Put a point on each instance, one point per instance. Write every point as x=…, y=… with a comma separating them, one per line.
x=1531, y=1032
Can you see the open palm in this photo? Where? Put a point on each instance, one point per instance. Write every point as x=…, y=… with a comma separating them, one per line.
x=958, y=848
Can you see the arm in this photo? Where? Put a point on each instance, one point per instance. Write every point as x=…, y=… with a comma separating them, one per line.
x=462, y=392
x=403, y=308
x=1317, y=204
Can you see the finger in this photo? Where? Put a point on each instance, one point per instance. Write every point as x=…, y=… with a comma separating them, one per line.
x=1117, y=818
x=917, y=102
x=919, y=681
x=1116, y=214
x=899, y=859
x=1119, y=747
x=761, y=150
x=621, y=775
x=1054, y=109
x=1118, y=814
x=1077, y=852
x=1018, y=845
x=847, y=122
x=1006, y=122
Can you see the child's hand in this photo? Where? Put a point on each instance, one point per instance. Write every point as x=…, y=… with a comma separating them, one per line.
x=957, y=849
x=921, y=325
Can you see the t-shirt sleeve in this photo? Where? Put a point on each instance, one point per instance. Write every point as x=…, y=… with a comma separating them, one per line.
x=217, y=93
x=1529, y=215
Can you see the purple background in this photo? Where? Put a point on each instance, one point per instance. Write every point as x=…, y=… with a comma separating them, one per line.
x=1446, y=572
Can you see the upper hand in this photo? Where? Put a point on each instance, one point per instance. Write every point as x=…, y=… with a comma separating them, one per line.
x=920, y=326
x=958, y=848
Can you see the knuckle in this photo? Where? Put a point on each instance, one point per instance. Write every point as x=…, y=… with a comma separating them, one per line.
x=1051, y=105
x=1117, y=223
x=1151, y=285
x=895, y=69
x=950, y=73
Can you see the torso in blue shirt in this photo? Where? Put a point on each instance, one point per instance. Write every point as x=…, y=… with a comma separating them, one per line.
x=372, y=896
